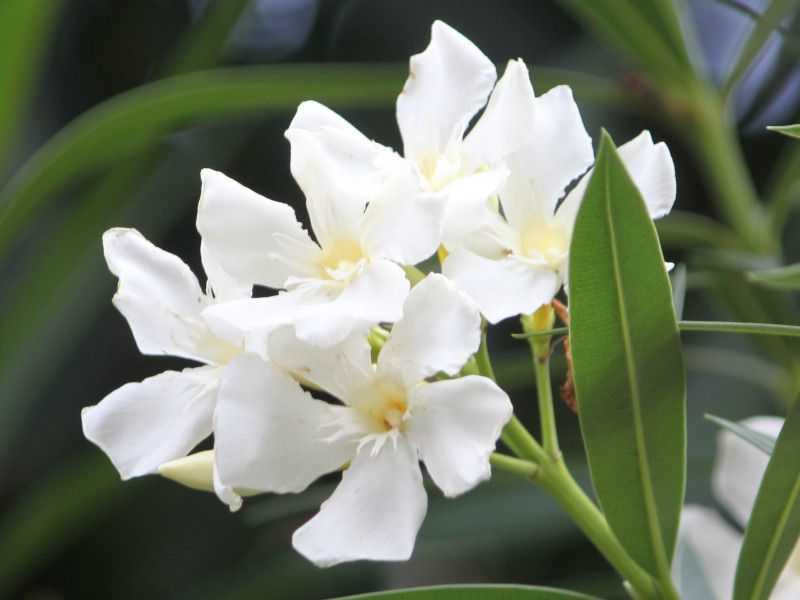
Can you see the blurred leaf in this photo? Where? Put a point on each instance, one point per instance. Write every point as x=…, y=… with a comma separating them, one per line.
x=790, y=130
x=762, y=441
x=782, y=278
x=677, y=279
x=628, y=366
x=645, y=31
x=681, y=229
x=43, y=521
x=733, y=364
x=134, y=120
x=474, y=592
x=774, y=524
x=26, y=27
x=202, y=45
x=768, y=22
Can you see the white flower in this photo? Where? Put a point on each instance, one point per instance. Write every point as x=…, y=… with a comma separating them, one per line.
x=519, y=262
x=737, y=475
x=447, y=85
x=389, y=419
x=142, y=425
x=367, y=220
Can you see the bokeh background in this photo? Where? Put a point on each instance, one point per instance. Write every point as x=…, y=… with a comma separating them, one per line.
x=68, y=527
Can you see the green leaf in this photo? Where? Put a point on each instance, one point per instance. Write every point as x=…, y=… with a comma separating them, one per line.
x=762, y=441
x=26, y=27
x=774, y=524
x=790, y=130
x=645, y=31
x=764, y=27
x=628, y=366
x=782, y=278
x=132, y=121
x=475, y=592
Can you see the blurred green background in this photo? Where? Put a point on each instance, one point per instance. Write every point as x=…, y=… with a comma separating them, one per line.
x=109, y=109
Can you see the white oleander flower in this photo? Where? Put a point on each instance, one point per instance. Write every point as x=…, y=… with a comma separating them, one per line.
x=737, y=474
x=143, y=425
x=519, y=261
x=367, y=222
x=390, y=417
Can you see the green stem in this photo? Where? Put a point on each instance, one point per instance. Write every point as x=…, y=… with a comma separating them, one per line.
x=714, y=138
x=543, y=320
x=514, y=434
x=553, y=476
x=776, y=329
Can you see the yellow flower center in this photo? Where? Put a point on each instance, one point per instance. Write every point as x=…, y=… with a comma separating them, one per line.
x=341, y=256
x=389, y=405
x=545, y=242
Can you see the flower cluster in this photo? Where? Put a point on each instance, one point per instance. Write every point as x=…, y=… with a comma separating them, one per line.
x=497, y=198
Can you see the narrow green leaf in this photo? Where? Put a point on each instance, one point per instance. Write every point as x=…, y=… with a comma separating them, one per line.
x=774, y=524
x=645, y=31
x=26, y=27
x=762, y=441
x=681, y=229
x=790, y=130
x=782, y=278
x=628, y=366
x=475, y=592
x=769, y=21
x=132, y=121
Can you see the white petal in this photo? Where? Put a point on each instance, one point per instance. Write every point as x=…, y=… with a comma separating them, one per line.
x=558, y=152
x=502, y=288
x=375, y=296
x=468, y=204
x=507, y=122
x=221, y=286
x=439, y=331
x=374, y=513
x=343, y=370
x=269, y=435
x=143, y=425
x=339, y=171
x=403, y=224
x=714, y=544
x=159, y=296
x=652, y=170
x=313, y=116
x=254, y=239
x=739, y=467
x=455, y=425
x=447, y=84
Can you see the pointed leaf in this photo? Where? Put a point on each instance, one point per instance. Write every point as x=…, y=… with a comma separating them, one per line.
x=628, y=365
x=474, y=592
x=762, y=441
x=774, y=524
x=782, y=278
x=790, y=130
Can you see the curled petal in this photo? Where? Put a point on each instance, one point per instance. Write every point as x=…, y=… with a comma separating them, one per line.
x=270, y=435
x=707, y=542
x=502, y=288
x=140, y=426
x=374, y=513
x=739, y=467
x=255, y=240
x=160, y=298
x=558, y=152
x=507, y=122
x=447, y=84
x=439, y=331
x=455, y=425
x=343, y=371
x=404, y=224
x=653, y=172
